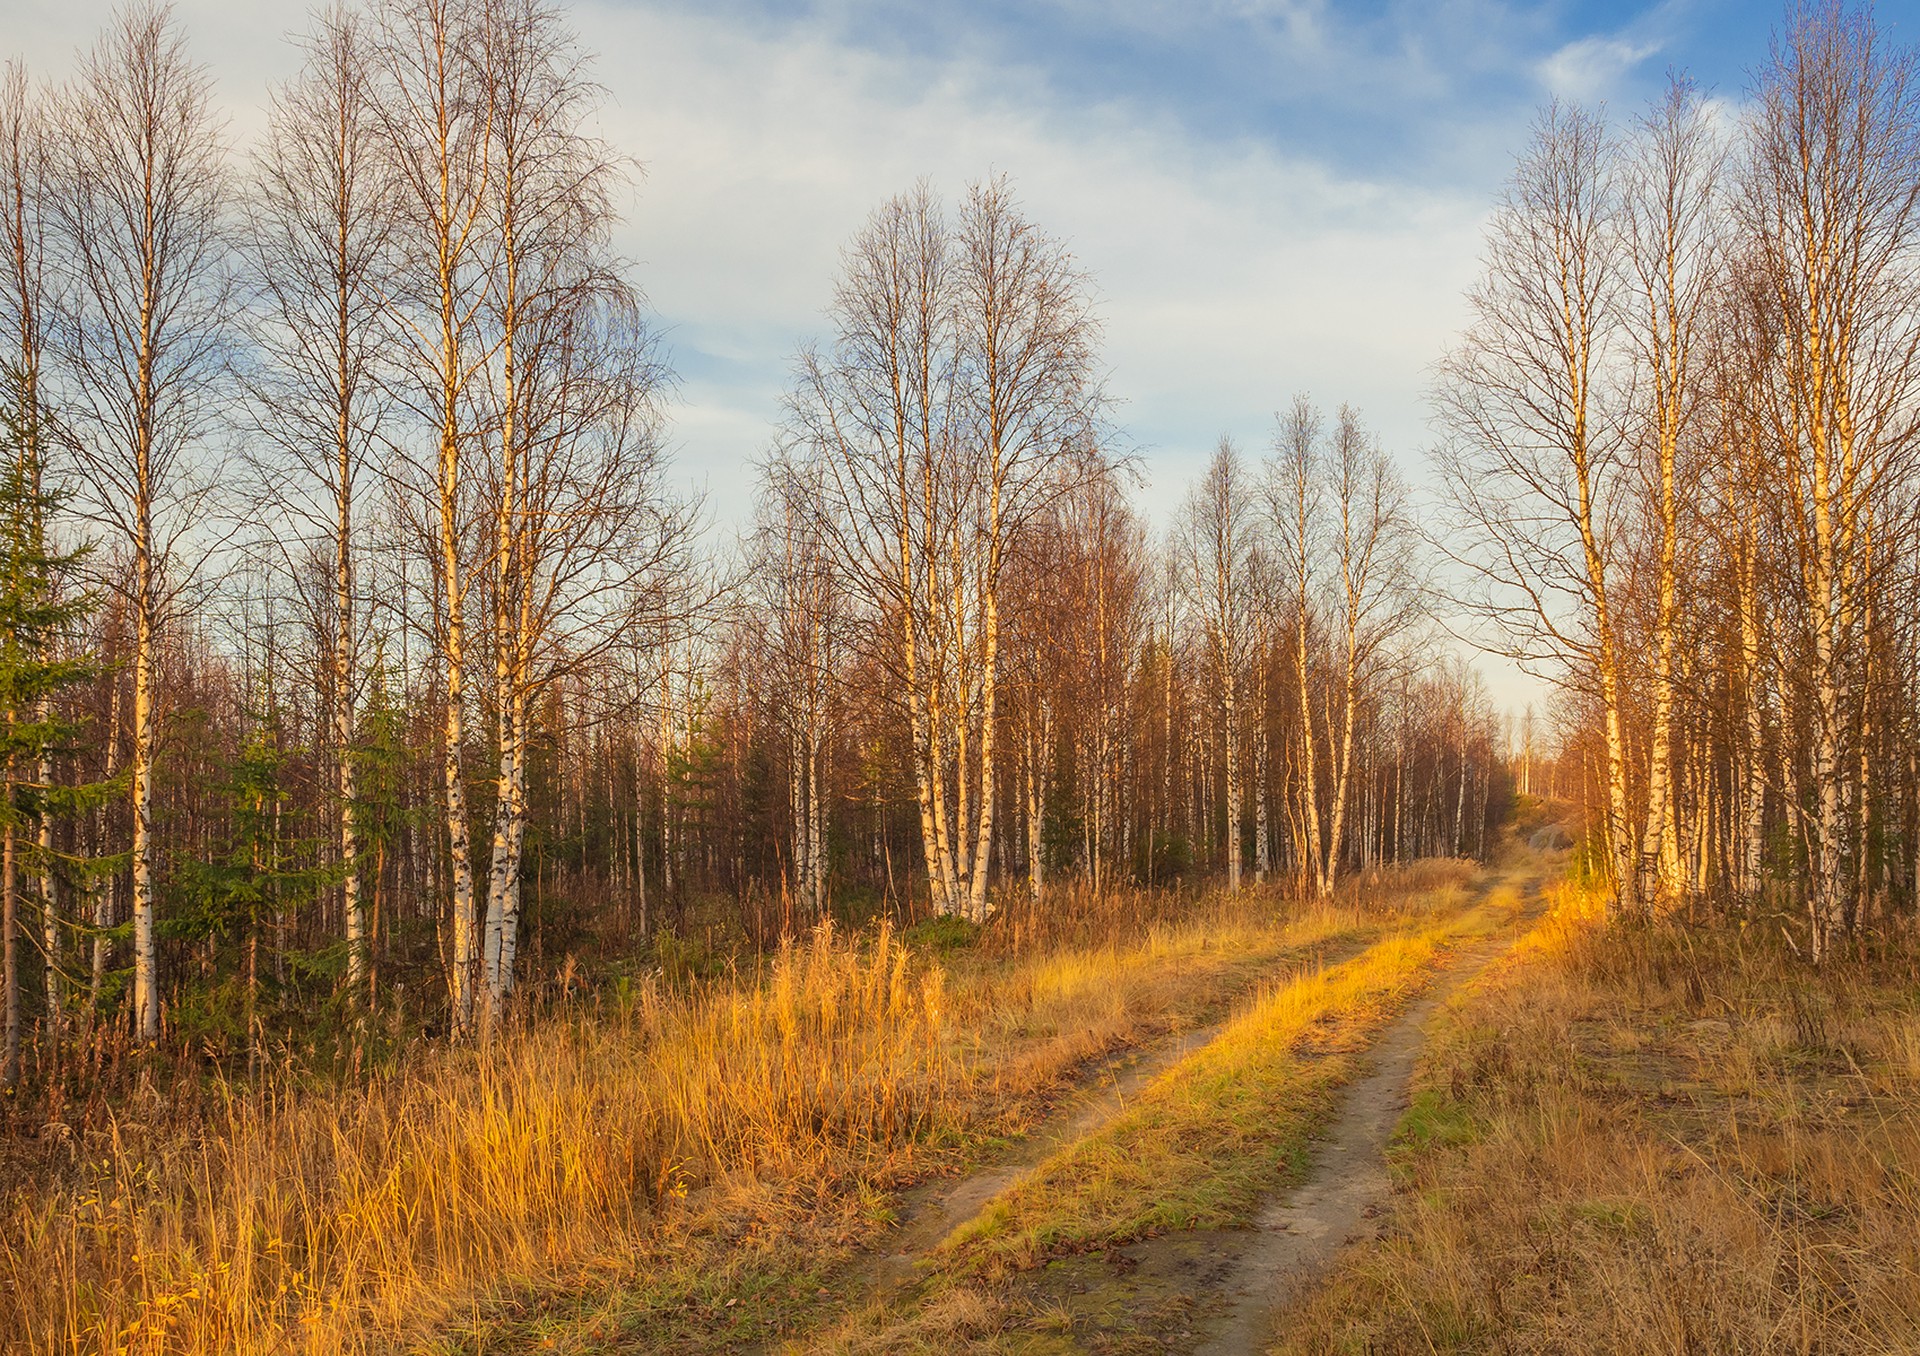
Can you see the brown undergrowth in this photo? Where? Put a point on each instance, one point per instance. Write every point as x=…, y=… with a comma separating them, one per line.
x=1652, y=1140
x=674, y=1170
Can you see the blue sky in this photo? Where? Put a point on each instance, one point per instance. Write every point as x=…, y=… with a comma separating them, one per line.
x=1274, y=195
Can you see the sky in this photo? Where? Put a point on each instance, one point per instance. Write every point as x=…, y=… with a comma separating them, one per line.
x=1273, y=196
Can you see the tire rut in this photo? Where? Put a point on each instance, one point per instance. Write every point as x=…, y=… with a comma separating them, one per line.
x=1346, y=1186
x=933, y=1210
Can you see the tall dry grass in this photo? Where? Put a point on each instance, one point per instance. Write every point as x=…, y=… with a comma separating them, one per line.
x=340, y=1223
x=1185, y=962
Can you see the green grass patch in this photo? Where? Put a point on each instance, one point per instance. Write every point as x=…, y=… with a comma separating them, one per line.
x=942, y=934
x=1433, y=1121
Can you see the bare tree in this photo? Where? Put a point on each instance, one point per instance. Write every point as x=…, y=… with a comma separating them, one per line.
x=1216, y=545
x=577, y=506
x=1373, y=599
x=435, y=120
x=601, y=544
x=1671, y=207
x=1295, y=504
x=1027, y=340
x=803, y=609
x=951, y=409
x=1830, y=200
x=1076, y=613
x=317, y=246
x=142, y=191
x=1534, y=451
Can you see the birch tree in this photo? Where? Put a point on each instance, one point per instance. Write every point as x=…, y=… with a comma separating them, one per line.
x=1295, y=492
x=1373, y=600
x=435, y=123
x=1217, y=539
x=803, y=610
x=1671, y=206
x=139, y=210
x=1829, y=197
x=582, y=524
x=597, y=543
x=1031, y=398
x=953, y=405
x=317, y=249
x=878, y=410
x=1534, y=452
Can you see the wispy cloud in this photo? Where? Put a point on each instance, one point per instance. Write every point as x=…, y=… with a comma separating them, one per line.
x=1590, y=68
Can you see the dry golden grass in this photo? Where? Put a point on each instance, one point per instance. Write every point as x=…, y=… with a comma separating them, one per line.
x=1034, y=1021
x=644, y=1163
x=1655, y=1141
x=1198, y=1147
x=332, y=1223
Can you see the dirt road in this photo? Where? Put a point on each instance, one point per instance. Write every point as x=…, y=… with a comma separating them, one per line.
x=1212, y=1292
x=1346, y=1185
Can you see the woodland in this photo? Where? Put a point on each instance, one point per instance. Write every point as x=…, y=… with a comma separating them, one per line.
x=457, y=897
x=458, y=674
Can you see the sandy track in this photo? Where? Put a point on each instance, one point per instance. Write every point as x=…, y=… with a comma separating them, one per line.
x=1212, y=1292
x=1346, y=1186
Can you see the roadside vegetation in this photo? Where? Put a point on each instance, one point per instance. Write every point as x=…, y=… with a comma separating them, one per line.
x=1652, y=1139
x=677, y=1164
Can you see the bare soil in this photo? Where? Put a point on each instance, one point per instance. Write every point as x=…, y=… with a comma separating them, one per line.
x=1343, y=1193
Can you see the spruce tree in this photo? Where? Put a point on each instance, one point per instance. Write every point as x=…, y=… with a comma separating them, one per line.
x=34, y=620
x=261, y=874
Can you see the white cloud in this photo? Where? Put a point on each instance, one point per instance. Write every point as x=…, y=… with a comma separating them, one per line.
x=1588, y=69
x=1231, y=275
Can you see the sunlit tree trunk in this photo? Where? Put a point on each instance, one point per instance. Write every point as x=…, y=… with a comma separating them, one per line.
x=1671, y=203
x=432, y=99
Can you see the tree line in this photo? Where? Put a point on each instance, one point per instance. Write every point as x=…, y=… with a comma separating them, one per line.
x=354, y=639
x=1681, y=453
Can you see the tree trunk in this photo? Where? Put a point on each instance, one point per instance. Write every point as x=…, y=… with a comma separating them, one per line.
x=10, y=929
x=146, y=972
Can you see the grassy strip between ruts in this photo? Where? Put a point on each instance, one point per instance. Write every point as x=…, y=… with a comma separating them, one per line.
x=1216, y=1133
